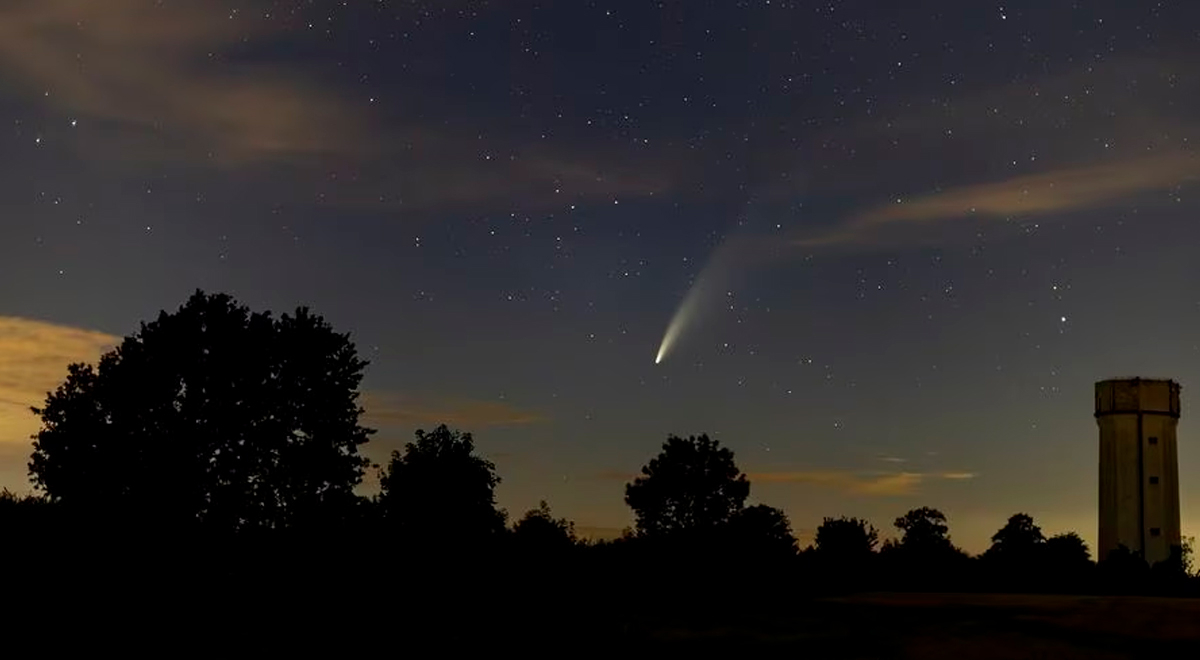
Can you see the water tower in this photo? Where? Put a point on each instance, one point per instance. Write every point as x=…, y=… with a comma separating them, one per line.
x=1139, y=466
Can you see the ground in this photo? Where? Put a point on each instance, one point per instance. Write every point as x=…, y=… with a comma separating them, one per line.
x=975, y=626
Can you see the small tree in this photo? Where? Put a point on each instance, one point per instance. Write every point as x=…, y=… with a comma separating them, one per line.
x=924, y=529
x=439, y=494
x=1018, y=537
x=924, y=558
x=692, y=486
x=763, y=533
x=846, y=539
x=1067, y=549
x=540, y=532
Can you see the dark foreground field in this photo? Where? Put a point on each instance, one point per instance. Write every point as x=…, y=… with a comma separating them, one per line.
x=975, y=626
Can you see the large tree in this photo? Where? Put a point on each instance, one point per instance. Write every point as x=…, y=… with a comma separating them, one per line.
x=210, y=415
x=439, y=493
x=693, y=485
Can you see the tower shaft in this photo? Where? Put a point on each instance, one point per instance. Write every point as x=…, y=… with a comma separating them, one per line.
x=1139, y=466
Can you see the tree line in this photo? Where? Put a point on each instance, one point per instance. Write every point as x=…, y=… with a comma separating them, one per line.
x=221, y=447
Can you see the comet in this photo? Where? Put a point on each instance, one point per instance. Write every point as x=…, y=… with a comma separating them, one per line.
x=715, y=276
x=681, y=319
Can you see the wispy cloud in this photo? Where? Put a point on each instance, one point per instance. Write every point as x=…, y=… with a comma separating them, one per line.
x=170, y=82
x=1082, y=136
x=882, y=484
x=1061, y=190
x=958, y=475
x=161, y=68
x=890, y=484
x=395, y=409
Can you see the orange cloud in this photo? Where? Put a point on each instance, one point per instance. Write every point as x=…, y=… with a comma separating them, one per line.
x=392, y=409
x=33, y=361
x=1067, y=189
x=883, y=485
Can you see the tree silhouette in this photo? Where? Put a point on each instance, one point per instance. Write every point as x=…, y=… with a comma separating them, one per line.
x=846, y=539
x=763, y=532
x=1016, y=557
x=1067, y=550
x=1123, y=570
x=210, y=415
x=538, y=531
x=1175, y=568
x=924, y=557
x=1019, y=537
x=844, y=554
x=439, y=494
x=692, y=486
x=923, y=529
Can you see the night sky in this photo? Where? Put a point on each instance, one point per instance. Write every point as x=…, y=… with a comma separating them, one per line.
x=910, y=236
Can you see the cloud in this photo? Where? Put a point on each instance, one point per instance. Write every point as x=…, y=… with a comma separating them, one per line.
x=883, y=484
x=161, y=68
x=435, y=172
x=393, y=409
x=170, y=82
x=958, y=475
x=1061, y=190
x=33, y=361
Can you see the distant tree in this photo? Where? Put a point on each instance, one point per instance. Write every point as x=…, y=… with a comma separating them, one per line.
x=439, y=494
x=692, y=486
x=1176, y=567
x=846, y=539
x=1019, y=538
x=1123, y=571
x=1067, y=551
x=1016, y=559
x=1187, y=551
x=843, y=557
x=763, y=532
x=924, y=557
x=23, y=516
x=210, y=415
x=538, y=531
x=923, y=529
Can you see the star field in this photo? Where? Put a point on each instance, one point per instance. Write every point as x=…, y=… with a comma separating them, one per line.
x=917, y=233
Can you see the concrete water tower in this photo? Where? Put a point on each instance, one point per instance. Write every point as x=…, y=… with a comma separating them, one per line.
x=1139, y=466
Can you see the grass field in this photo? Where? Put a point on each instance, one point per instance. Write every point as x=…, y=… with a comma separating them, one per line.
x=969, y=626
